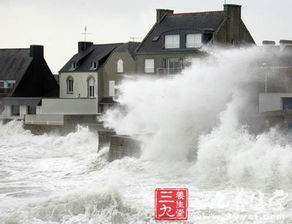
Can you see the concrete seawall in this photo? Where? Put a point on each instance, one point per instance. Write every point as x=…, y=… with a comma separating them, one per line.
x=104, y=137
x=122, y=146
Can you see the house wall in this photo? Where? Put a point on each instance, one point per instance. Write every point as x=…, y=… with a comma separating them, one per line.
x=269, y=102
x=80, y=84
x=110, y=70
x=68, y=106
x=44, y=119
x=236, y=36
x=6, y=113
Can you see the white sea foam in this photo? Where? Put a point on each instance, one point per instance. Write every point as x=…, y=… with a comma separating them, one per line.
x=238, y=176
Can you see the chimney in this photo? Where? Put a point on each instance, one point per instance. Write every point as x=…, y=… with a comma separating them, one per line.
x=36, y=51
x=232, y=14
x=161, y=13
x=269, y=43
x=83, y=45
x=285, y=44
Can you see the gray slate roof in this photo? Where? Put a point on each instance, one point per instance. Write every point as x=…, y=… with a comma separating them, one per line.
x=31, y=101
x=183, y=22
x=95, y=53
x=14, y=63
x=128, y=47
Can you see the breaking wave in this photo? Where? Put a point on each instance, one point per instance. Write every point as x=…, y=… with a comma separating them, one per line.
x=208, y=112
x=199, y=130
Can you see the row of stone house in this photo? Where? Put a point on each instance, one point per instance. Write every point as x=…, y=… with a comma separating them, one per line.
x=86, y=84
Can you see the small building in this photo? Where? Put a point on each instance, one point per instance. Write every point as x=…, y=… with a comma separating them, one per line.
x=177, y=37
x=24, y=78
x=25, y=73
x=82, y=75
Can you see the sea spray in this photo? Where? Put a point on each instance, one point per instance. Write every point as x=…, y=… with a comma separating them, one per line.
x=170, y=113
x=238, y=177
x=206, y=110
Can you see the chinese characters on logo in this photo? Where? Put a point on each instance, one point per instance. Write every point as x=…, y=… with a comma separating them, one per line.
x=171, y=204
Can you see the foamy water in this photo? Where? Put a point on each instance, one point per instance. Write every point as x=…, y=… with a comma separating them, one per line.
x=238, y=177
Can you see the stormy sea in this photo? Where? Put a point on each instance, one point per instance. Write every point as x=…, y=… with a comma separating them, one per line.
x=198, y=130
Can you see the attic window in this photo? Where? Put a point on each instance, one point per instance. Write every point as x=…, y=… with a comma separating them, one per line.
x=172, y=41
x=94, y=65
x=74, y=65
x=155, y=38
x=194, y=40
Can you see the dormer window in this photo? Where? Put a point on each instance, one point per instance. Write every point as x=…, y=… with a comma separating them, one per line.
x=172, y=41
x=120, y=66
x=94, y=65
x=74, y=65
x=156, y=38
x=194, y=40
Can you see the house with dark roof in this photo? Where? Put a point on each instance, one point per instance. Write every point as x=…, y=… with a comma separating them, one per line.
x=175, y=38
x=79, y=78
x=24, y=78
x=121, y=62
x=25, y=73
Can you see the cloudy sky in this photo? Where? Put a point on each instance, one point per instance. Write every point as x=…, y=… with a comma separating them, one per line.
x=58, y=24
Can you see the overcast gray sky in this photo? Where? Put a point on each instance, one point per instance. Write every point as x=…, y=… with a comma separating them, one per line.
x=58, y=24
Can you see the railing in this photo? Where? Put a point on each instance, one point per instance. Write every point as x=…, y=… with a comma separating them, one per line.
x=168, y=71
x=5, y=91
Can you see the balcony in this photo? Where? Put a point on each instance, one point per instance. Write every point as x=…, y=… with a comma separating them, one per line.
x=169, y=71
x=4, y=91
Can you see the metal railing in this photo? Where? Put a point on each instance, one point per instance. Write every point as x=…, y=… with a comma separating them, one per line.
x=168, y=71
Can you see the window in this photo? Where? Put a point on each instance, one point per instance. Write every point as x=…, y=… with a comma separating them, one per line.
x=174, y=65
x=31, y=109
x=10, y=84
x=73, y=66
x=93, y=65
x=156, y=38
x=70, y=84
x=194, y=40
x=15, y=110
x=172, y=41
x=91, y=83
x=5, y=84
x=149, y=65
x=120, y=66
x=111, y=88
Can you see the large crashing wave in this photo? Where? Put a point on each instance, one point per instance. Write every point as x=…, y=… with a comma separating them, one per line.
x=208, y=111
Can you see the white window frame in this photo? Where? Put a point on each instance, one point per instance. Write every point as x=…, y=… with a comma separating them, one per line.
x=172, y=41
x=74, y=65
x=91, y=91
x=69, y=86
x=120, y=66
x=93, y=65
x=149, y=65
x=111, y=88
x=194, y=40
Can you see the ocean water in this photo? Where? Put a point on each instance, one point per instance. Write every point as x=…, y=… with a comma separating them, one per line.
x=238, y=176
